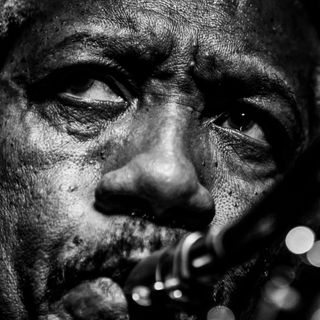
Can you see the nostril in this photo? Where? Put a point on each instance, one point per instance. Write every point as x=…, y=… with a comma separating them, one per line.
x=116, y=190
x=165, y=187
x=120, y=204
x=201, y=200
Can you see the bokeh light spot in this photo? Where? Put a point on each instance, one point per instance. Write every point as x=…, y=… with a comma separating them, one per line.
x=300, y=240
x=141, y=295
x=220, y=313
x=316, y=315
x=313, y=255
x=176, y=294
x=158, y=285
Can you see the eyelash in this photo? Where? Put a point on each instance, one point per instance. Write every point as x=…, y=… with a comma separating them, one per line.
x=277, y=138
x=262, y=118
x=83, y=119
x=48, y=87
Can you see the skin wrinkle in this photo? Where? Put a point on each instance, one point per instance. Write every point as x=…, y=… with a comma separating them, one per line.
x=180, y=12
x=111, y=46
x=62, y=239
x=278, y=83
x=275, y=85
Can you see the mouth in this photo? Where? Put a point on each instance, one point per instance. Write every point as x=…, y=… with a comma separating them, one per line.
x=87, y=282
x=92, y=291
x=101, y=298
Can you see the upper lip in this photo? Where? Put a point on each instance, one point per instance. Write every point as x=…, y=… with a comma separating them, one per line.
x=72, y=277
x=113, y=260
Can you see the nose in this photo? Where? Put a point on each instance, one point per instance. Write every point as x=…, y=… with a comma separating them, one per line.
x=161, y=182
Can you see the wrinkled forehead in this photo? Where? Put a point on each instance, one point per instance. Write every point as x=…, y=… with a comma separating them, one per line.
x=217, y=36
x=226, y=15
x=274, y=30
x=258, y=25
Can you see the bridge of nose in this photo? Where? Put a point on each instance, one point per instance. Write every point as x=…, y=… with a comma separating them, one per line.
x=161, y=171
x=164, y=161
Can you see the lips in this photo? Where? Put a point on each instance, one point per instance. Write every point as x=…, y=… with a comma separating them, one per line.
x=97, y=299
x=93, y=265
x=89, y=295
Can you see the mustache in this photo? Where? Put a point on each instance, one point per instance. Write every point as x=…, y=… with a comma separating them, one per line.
x=110, y=252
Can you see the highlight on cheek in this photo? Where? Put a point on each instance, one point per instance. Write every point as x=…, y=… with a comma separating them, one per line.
x=138, y=123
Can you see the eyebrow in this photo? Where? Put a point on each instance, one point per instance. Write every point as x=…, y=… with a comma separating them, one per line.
x=100, y=40
x=248, y=69
x=245, y=74
x=267, y=79
x=116, y=46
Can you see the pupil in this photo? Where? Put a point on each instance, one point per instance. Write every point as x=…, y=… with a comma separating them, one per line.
x=80, y=84
x=240, y=121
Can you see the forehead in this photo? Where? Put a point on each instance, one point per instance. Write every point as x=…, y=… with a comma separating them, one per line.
x=233, y=17
x=264, y=28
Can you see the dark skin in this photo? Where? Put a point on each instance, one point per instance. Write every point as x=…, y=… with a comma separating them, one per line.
x=126, y=125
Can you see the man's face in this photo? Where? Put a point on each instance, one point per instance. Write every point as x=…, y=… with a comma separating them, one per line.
x=126, y=124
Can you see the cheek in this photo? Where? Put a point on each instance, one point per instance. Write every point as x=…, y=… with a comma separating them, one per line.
x=233, y=197
x=236, y=173
x=69, y=188
x=40, y=196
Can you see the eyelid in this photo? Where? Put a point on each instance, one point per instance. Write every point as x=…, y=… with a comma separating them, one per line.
x=47, y=84
x=113, y=84
x=275, y=110
x=275, y=131
x=241, y=107
x=264, y=112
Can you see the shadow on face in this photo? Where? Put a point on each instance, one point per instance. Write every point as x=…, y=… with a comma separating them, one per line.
x=125, y=125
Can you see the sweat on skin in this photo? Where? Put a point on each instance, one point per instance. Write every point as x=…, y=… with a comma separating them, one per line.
x=127, y=124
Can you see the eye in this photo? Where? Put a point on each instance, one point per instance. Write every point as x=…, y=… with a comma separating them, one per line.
x=243, y=121
x=90, y=89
